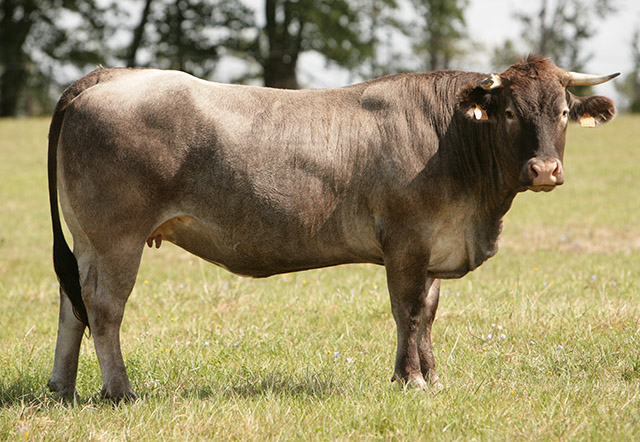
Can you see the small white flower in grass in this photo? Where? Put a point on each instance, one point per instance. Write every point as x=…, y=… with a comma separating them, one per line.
x=489, y=336
x=559, y=347
x=206, y=343
x=502, y=336
x=499, y=327
x=594, y=278
x=350, y=360
x=235, y=344
x=532, y=342
x=493, y=326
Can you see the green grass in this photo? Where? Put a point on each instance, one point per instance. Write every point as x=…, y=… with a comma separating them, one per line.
x=309, y=356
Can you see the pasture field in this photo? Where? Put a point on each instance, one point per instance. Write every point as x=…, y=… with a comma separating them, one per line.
x=542, y=342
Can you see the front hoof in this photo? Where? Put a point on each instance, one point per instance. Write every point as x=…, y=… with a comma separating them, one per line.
x=436, y=385
x=117, y=396
x=413, y=381
x=66, y=392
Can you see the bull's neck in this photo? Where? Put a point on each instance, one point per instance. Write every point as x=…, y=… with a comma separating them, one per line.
x=472, y=161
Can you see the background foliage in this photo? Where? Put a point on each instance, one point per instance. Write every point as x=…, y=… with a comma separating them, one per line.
x=47, y=43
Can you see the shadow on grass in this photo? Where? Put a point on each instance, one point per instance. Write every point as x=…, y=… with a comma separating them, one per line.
x=28, y=392
x=274, y=383
x=33, y=392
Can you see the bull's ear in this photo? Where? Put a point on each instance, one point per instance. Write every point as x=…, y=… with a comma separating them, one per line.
x=591, y=111
x=478, y=102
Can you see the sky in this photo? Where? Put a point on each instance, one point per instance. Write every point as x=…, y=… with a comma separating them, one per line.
x=491, y=22
x=610, y=46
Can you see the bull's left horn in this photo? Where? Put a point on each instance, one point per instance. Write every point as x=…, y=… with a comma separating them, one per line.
x=493, y=81
x=578, y=79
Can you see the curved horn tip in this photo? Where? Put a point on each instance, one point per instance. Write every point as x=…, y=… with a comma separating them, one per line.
x=580, y=79
x=493, y=81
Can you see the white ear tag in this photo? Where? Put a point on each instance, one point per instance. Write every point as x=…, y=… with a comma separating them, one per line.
x=587, y=120
x=480, y=114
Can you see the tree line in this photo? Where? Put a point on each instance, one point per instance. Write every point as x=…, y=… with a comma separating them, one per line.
x=43, y=39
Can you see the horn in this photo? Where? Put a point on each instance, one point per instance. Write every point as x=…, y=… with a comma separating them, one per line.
x=493, y=81
x=578, y=79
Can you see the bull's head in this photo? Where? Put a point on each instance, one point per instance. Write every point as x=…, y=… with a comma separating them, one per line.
x=529, y=106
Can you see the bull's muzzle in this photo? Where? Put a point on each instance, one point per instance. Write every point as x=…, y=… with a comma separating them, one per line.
x=542, y=175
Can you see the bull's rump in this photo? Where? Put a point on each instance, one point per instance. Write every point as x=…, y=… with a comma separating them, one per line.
x=256, y=181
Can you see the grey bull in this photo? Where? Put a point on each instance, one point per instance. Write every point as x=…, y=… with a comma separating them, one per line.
x=412, y=171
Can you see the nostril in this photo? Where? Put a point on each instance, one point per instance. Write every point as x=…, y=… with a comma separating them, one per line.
x=545, y=173
x=535, y=170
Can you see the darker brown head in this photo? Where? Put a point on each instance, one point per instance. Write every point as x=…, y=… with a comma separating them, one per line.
x=530, y=106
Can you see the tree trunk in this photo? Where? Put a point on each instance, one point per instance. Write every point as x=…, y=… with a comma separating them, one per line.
x=180, y=58
x=544, y=30
x=280, y=63
x=12, y=83
x=13, y=61
x=280, y=70
x=138, y=33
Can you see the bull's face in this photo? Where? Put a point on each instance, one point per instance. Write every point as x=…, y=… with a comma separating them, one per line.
x=529, y=107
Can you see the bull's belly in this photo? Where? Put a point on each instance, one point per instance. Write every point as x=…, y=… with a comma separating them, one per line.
x=252, y=254
x=260, y=252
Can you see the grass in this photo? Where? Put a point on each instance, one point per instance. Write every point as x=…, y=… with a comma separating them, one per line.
x=308, y=356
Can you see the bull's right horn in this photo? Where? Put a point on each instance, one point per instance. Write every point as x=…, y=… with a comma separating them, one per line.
x=493, y=81
x=578, y=79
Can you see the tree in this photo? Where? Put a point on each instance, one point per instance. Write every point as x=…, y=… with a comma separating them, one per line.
x=187, y=35
x=337, y=29
x=138, y=34
x=630, y=86
x=441, y=32
x=560, y=29
x=36, y=37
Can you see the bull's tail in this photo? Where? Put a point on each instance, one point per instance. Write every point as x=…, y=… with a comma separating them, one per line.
x=64, y=261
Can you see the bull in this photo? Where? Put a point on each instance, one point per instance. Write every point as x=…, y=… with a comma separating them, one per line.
x=413, y=172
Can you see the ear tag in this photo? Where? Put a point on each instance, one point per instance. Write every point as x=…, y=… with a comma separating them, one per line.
x=587, y=120
x=480, y=113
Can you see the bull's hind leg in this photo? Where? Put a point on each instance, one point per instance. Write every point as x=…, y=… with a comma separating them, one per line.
x=65, y=365
x=414, y=300
x=70, y=329
x=116, y=272
x=106, y=279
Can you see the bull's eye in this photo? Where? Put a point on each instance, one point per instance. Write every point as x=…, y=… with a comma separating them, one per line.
x=509, y=114
x=565, y=113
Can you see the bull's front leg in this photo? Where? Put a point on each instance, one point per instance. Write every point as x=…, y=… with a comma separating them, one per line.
x=425, y=349
x=65, y=365
x=414, y=301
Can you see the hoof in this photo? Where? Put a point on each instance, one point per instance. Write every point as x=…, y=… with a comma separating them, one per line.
x=64, y=391
x=436, y=385
x=117, y=397
x=413, y=381
x=417, y=382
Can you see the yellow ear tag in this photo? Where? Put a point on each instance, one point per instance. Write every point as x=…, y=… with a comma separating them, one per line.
x=480, y=113
x=587, y=120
